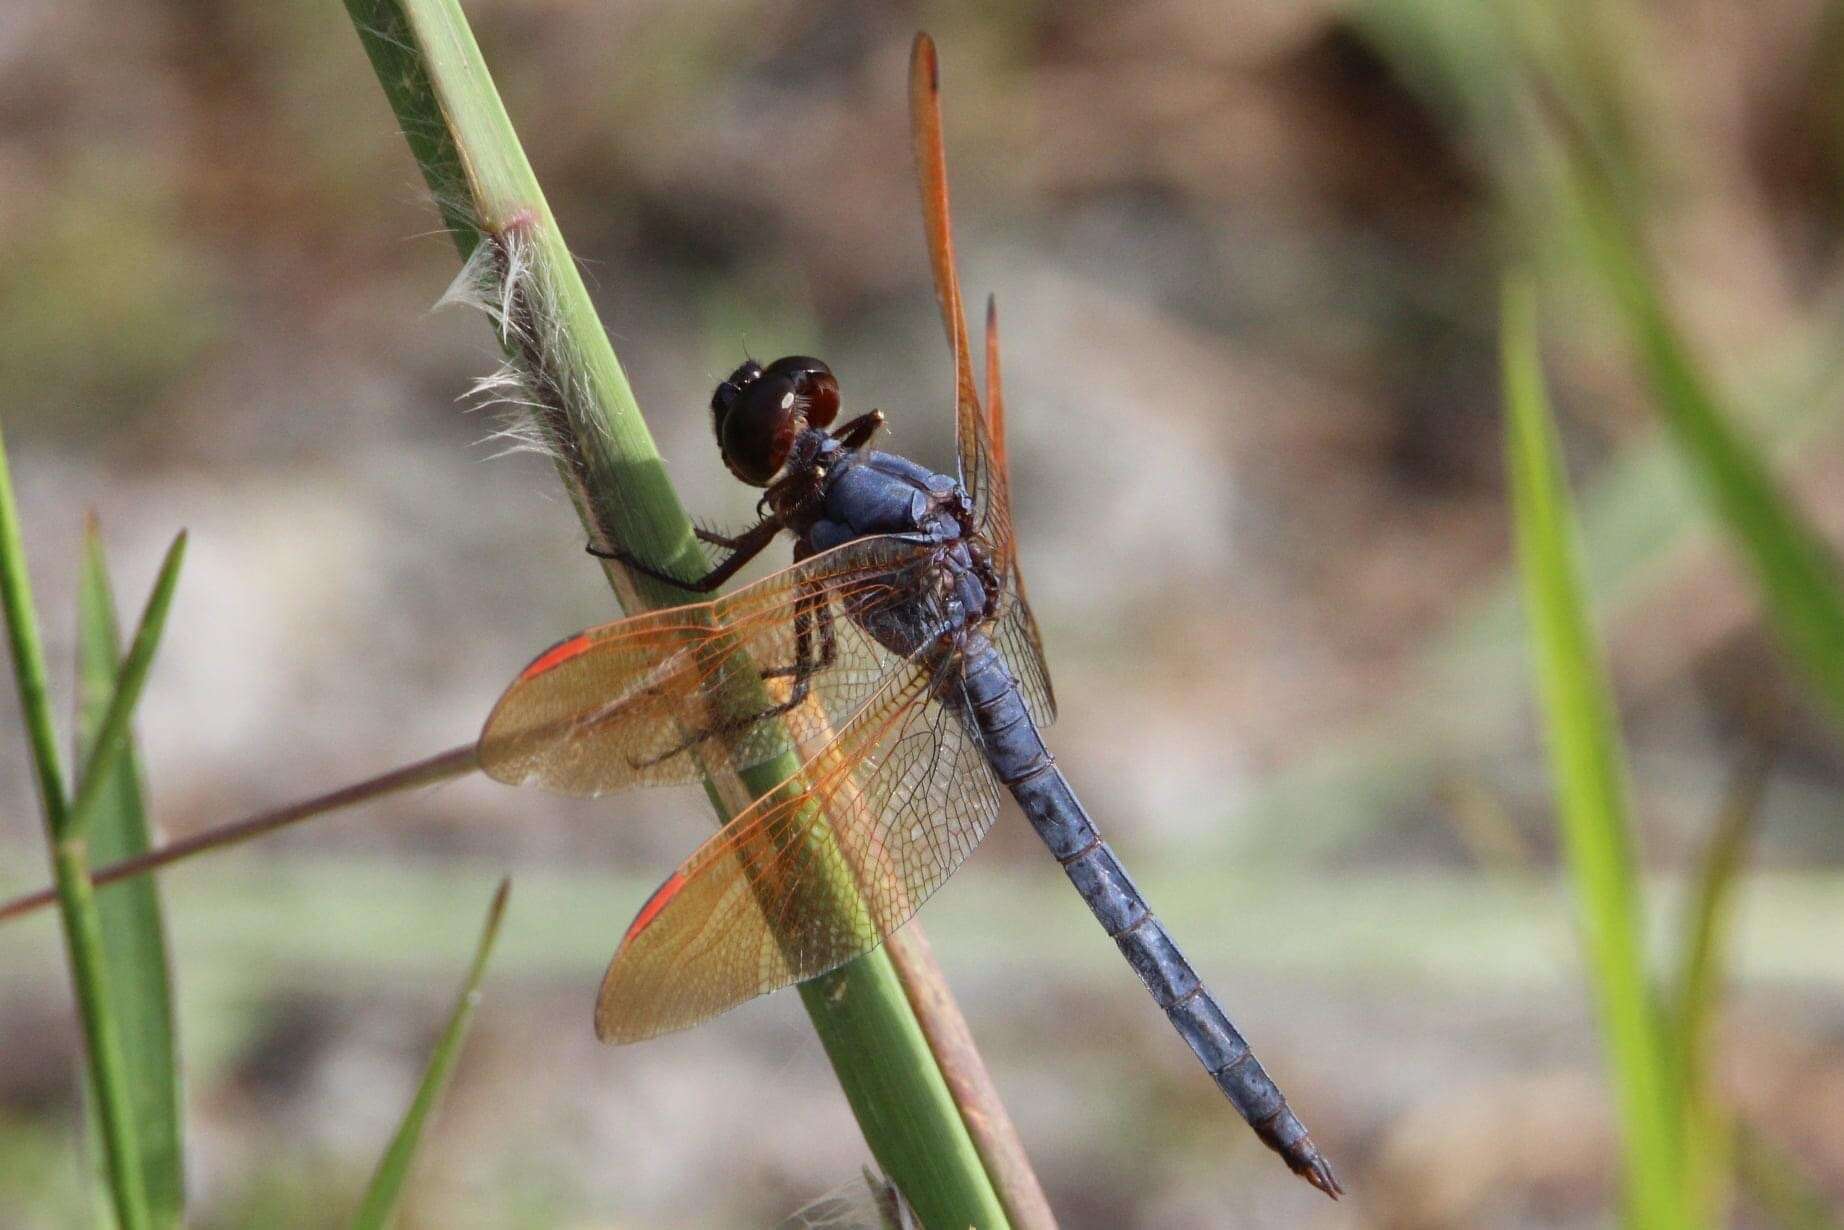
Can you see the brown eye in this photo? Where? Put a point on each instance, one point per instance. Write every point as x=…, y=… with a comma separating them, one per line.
x=820, y=392
x=757, y=430
x=759, y=410
x=727, y=393
x=814, y=384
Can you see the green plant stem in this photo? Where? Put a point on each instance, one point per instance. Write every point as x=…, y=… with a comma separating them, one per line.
x=1589, y=769
x=77, y=904
x=109, y=1073
x=989, y=1123
x=386, y=1188
x=438, y=85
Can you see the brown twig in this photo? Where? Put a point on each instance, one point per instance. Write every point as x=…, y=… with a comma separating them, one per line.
x=981, y=1108
x=452, y=763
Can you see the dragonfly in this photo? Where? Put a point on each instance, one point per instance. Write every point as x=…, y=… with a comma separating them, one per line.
x=896, y=661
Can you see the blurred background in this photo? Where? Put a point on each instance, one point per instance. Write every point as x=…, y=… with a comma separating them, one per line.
x=1247, y=256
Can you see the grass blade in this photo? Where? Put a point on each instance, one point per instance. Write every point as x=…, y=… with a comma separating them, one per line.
x=133, y=931
x=380, y=1203
x=1699, y=976
x=1794, y=567
x=434, y=77
x=70, y=873
x=1588, y=767
x=28, y=655
x=1708, y=1134
x=110, y=738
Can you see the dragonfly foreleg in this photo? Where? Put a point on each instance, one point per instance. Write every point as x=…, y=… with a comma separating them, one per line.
x=743, y=548
x=858, y=432
x=718, y=540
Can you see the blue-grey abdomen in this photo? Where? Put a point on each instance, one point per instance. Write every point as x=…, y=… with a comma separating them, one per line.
x=996, y=710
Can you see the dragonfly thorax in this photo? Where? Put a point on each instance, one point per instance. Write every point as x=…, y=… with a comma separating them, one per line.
x=864, y=492
x=950, y=584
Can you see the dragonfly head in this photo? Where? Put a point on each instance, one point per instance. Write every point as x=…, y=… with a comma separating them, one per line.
x=760, y=411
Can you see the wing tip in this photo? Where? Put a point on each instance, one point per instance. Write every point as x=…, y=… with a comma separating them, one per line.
x=926, y=65
x=614, y=1022
x=611, y=1029
x=992, y=359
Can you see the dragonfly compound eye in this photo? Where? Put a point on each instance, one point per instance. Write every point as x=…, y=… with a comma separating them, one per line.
x=814, y=385
x=759, y=411
x=758, y=428
x=726, y=394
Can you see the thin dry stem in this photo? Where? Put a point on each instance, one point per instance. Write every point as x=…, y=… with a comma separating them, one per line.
x=452, y=763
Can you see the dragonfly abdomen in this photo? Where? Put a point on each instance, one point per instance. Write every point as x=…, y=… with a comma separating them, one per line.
x=1018, y=756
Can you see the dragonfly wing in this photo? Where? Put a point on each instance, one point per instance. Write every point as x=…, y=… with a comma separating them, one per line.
x=980, y=436
x=1016, y=634
x=812, y=874
x=976, y=457
x=643, y=701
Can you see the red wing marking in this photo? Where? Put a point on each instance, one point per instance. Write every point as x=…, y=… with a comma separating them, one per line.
x=557, y=654
x=655, y=904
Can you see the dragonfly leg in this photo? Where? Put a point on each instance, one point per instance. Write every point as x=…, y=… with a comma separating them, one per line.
x=813, y=608
x=858, y=432
x=719, y=540
x=742, y=548
x=804, y=668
